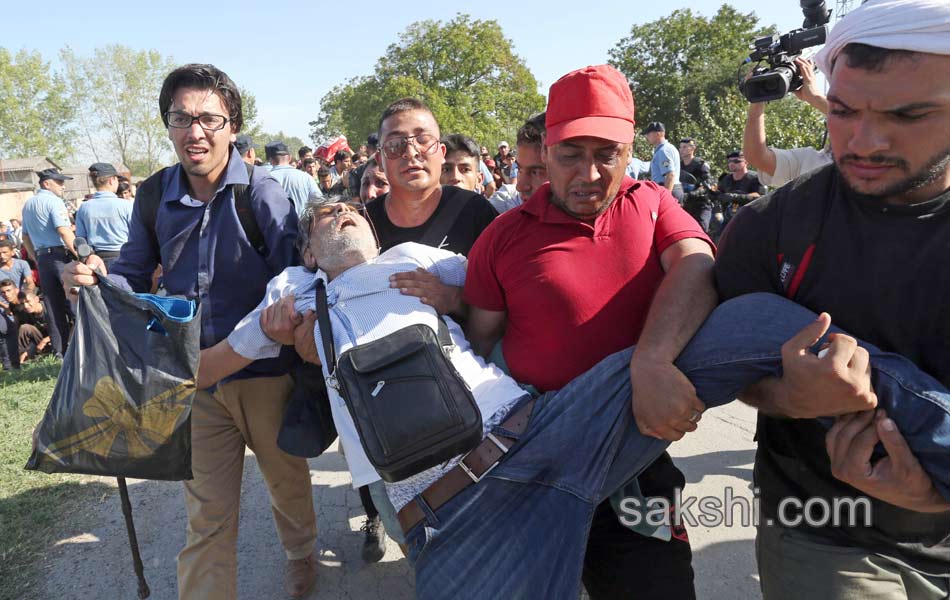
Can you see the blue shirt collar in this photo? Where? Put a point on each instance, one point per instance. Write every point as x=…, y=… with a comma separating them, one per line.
x=104, y=195
x=177, y=187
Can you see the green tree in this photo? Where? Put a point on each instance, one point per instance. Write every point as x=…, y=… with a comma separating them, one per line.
x=261, y=138
x=35, y=113
x=464, y=69
x=116, y=93
x=684, y=70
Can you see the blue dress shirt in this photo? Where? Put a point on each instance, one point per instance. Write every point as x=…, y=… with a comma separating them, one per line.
x=297, y=184
x=42, y=214
x=206, y=256
x=666, y=158
x=104, y=221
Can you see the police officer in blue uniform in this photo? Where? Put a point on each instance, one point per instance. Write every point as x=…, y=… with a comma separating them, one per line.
x=104, y=219
x=48, y=237
x=665, y=166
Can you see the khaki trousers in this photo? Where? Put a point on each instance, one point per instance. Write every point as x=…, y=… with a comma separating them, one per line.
x=246, y=412
x=793, y=566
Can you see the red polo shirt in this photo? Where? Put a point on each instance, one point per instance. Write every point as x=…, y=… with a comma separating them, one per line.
x=574, y=292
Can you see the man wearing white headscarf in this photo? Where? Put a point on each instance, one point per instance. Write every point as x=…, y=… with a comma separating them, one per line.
x=865, y=240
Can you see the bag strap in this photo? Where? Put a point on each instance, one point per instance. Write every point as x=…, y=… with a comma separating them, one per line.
x=245, y=213
x=326, y=333
x=438, y=230
x=799, y=236
x=149, y=196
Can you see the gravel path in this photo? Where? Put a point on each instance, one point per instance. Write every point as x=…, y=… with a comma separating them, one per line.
x=95, y=562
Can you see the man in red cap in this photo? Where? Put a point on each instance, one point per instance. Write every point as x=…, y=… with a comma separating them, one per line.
x=594, y=262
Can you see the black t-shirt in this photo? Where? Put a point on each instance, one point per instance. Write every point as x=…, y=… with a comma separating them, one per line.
x=473, y=218
x=883, y=273
x=698, y=168
x=747, y=185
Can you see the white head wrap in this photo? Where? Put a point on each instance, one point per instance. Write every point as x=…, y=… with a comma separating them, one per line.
x=915, y=25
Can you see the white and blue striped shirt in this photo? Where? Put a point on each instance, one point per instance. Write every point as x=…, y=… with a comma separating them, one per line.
x=364, y=308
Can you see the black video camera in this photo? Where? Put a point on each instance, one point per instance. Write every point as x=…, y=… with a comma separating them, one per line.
x=781, y=76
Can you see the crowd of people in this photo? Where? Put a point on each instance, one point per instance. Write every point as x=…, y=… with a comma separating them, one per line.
x=597, y=306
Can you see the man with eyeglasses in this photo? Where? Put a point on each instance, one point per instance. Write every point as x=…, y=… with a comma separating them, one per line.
x=418, y=208
x=205, y=251
x=739, y=186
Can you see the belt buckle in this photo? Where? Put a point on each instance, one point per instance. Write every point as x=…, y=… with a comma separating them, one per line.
x=477, y=478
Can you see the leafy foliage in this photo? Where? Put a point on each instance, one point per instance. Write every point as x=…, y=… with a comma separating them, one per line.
x=684, y=70
x=465, y=70
x=35, y=114
x=116, y=93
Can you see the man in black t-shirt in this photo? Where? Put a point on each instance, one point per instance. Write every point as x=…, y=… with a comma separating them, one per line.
x=418, y=209
x=697, y=181
x=411, y=155
x=738, y=187
x=864, y=239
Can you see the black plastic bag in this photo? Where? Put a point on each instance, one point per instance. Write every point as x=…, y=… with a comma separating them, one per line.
x=122, y=402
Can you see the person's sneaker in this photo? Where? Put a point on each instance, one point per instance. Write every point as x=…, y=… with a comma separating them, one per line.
x=374, y=546
x=301, y=575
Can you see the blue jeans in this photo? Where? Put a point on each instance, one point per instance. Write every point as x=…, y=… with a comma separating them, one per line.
x=521, y=532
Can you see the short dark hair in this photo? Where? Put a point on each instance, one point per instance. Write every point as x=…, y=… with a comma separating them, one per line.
x=202, y=77
x=456, y=142
x=7, y=243
x=100, y=182
x=531, y=131
x=341, y=155
x=303, y=150
x=123, y=187
x=6, y=283
x=871, y=58
x=322, y=170
x=405, y=105
x=689, y=141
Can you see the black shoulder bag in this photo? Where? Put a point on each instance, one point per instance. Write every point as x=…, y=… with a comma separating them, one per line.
x=411, y=408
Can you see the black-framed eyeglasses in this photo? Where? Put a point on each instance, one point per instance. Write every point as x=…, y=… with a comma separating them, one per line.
x=207, y=121
x=394, y=148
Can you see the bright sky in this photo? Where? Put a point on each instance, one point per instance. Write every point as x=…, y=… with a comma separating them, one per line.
x=290, y=54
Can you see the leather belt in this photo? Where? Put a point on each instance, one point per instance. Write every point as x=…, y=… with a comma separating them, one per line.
x=471, y=469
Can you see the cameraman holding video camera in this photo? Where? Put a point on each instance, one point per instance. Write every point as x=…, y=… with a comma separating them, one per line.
x=778, y=166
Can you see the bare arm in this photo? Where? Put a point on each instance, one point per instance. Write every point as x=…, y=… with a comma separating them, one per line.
x=810, y=92
x=669, y=180
x=28, y=244
x=665, y=402
x=754, y=147
x=217, y=362
x=485, y=328
x=67, y=235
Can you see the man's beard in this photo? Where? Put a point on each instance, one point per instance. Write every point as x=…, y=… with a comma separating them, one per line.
x=340, y=251
x=558, y=202
x=935, y=168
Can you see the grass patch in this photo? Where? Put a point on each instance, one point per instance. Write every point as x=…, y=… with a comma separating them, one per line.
x=32, y=504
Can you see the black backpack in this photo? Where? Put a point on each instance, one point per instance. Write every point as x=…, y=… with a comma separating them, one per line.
x=149, y=195
x=307, y=428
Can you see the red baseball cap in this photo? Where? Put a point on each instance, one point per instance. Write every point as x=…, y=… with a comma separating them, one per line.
x=593, y=101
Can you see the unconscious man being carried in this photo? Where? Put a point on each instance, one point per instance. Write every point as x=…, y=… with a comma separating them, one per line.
x=510, y=518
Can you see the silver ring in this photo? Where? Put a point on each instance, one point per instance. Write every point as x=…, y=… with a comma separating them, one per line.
x=695, y=417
